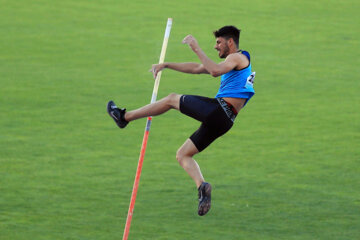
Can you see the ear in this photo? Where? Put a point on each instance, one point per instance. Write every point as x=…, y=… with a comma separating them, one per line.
x=231, y=42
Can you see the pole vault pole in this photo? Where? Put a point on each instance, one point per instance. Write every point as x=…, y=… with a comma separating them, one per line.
x=146, y=134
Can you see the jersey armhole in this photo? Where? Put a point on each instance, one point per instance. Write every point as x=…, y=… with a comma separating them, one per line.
x=247, y=54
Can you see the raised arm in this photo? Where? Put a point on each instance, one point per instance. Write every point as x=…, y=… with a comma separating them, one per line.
x=215, y=69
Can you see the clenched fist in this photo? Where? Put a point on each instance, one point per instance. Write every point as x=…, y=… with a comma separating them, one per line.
x=191, y=41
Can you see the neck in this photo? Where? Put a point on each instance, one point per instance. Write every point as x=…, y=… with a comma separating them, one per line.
x=234, y=50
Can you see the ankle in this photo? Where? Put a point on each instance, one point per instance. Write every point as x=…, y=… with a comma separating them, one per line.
x=126, y=117
x=198, y=183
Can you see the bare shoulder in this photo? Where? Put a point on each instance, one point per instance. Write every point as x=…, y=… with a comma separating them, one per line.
x=241, y=60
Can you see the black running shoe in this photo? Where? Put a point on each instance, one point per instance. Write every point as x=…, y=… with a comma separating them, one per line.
x=117, y=114
x=204, y=198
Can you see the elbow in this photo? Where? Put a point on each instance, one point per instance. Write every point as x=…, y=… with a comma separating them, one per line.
x=215, y=73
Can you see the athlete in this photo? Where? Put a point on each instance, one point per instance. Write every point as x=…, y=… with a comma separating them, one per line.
x=216, y=115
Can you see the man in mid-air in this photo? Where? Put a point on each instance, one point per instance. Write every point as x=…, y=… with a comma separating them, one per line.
x=216, y=115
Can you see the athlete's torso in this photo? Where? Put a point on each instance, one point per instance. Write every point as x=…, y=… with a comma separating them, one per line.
x=236, y=86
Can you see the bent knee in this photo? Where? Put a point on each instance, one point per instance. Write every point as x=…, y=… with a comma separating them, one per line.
x=172, y=95
x=179, y=156
x=182, y=155
x=173, y=99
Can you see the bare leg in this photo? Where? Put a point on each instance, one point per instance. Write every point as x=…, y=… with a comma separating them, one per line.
x=172, y=101
x=184, y=156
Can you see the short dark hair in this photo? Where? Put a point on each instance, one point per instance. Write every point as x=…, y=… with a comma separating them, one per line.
x=229, y=32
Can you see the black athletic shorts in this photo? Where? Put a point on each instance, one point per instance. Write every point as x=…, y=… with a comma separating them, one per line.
x=216, y=117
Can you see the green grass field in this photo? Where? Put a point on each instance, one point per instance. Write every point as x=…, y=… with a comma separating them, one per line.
x=289, y=168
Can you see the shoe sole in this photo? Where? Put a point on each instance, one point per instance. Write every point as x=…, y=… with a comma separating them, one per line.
x=109, y=109
x=205, y=206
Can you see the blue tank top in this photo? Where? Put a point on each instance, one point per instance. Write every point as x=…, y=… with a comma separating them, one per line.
x=237, y=83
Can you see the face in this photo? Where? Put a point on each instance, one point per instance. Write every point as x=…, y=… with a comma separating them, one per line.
x=222, y=47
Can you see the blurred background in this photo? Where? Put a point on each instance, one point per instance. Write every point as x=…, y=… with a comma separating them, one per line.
x=288, y=169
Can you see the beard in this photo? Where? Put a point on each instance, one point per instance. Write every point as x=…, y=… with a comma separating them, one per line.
x=225, y=52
